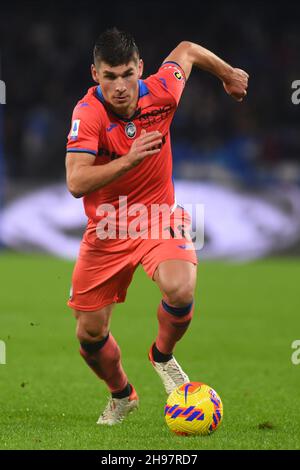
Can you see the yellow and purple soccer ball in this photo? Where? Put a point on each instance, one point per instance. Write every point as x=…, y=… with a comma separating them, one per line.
x=193, y=408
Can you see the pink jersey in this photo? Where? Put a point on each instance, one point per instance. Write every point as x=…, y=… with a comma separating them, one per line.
x=99, y=131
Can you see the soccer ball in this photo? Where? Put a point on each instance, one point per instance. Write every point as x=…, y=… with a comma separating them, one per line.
x=193, y=409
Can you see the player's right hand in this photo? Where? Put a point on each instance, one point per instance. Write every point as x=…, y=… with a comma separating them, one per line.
x=236, y=84
x=147, y=144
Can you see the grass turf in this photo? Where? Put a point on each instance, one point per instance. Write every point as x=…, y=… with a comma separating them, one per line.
x=246, y=318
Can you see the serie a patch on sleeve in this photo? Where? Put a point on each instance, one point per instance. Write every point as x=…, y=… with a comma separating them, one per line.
x=75, y=129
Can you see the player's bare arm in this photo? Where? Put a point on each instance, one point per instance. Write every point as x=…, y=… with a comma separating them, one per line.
x=188, y=54
x=83, y=177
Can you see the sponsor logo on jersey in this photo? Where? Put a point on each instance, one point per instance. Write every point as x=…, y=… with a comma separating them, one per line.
x=155, y=116
x=130, y=130
x=112, y=155
x=75, y=128
x=104, y=152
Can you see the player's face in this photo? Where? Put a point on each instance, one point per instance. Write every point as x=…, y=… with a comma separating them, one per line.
x=119, y=84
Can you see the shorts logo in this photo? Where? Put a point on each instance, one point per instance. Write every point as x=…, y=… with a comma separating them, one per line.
x=75, y=128
x=130, y=130
x=178, y=75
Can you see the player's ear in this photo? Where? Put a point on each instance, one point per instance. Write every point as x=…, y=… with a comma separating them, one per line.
x=94, y=73
x=141, y=68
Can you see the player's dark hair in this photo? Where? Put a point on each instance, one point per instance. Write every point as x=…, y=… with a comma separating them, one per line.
x=115, y=48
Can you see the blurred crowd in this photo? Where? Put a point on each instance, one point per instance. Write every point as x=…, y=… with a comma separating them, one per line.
x=46, y=55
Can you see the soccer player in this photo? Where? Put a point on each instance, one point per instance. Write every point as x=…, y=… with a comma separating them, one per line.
x=119, y=146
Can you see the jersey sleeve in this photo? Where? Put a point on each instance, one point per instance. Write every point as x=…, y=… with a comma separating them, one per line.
x=85, y=130
x=171, y=78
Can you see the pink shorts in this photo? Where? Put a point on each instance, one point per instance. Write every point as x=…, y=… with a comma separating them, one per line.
x=104, y=268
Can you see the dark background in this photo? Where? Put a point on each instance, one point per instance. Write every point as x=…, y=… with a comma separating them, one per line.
x=46, y=51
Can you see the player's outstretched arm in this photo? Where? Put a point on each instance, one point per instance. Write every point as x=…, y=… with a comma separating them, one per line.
x=188, y=54
x=83, y=177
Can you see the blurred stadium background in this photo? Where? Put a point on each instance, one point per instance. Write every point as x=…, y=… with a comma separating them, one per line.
x=241, y=160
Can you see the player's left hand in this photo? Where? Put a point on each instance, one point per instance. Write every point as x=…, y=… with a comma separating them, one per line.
x=236, y=84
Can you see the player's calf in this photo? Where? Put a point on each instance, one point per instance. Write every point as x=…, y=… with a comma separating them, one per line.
x=99, y=349
x=104, y=358
x=173, y=323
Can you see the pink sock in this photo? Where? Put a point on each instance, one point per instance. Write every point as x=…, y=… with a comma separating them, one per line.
x=172, y=326
x=106, y=363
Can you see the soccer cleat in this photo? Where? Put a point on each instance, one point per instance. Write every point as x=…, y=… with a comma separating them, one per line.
x=118, y=408
x=170, y=373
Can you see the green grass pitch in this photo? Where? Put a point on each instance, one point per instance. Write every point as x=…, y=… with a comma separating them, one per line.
x=239, y=342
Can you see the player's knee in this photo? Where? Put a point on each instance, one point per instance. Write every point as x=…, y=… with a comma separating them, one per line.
x=179, y=295
x=92, y=327
x=91, y=334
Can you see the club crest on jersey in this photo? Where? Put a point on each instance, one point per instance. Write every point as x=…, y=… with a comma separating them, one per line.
x=130, y=130
x=178, y=75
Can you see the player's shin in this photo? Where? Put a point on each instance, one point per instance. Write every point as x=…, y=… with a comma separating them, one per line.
x=173, y=323
x=104, y=358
